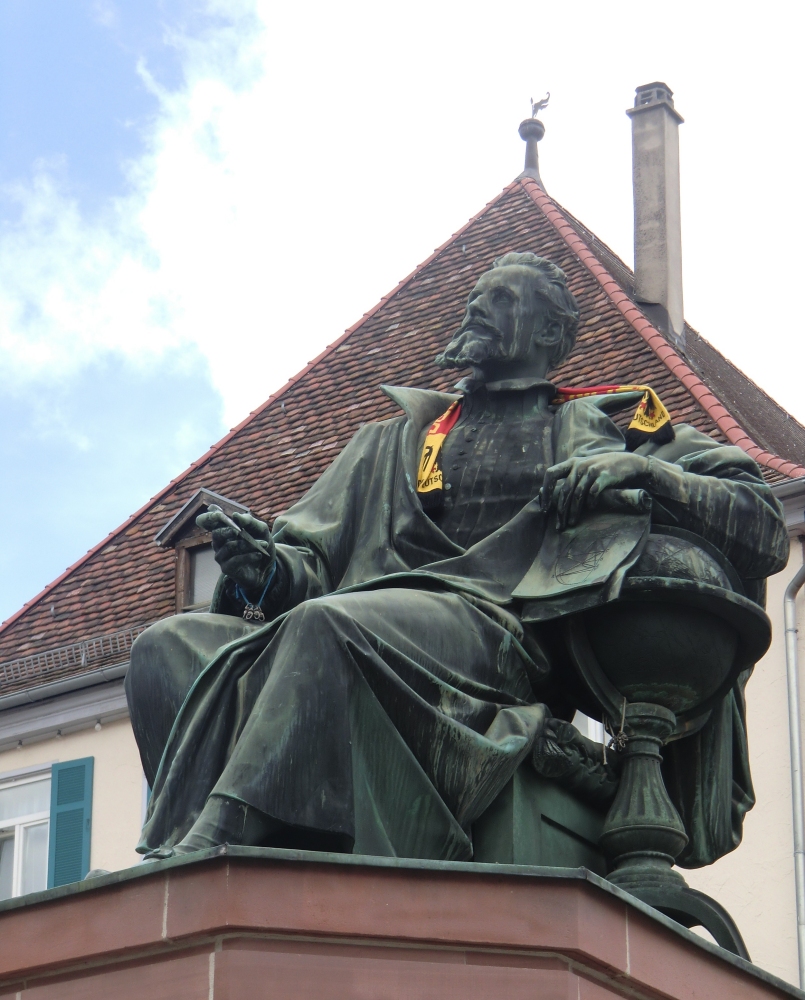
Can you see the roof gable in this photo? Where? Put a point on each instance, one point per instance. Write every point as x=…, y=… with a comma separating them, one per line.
x=274, y=455
x=185, y=518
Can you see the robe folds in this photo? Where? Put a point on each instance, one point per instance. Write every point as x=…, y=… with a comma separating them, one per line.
x=396, y=689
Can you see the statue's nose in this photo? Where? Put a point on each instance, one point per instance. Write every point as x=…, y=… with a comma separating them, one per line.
x=477, y=308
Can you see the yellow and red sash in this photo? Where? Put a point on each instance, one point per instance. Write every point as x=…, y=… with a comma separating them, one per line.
x=429, y=477
x=651, y=421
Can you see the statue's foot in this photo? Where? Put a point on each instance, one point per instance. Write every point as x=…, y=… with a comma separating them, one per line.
x=562, y=754
x=226, y=821
x=158, y=854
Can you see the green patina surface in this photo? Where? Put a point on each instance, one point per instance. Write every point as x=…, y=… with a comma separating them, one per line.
x=406, y=695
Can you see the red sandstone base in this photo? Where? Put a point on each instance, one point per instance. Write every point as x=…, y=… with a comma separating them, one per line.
x=243, y=923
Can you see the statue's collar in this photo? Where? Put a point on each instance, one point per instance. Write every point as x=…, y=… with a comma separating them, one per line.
x=471, y=384
x=422, y=406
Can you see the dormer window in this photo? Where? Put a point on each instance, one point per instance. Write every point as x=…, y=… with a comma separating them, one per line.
x=197, y=572
x=202, y=575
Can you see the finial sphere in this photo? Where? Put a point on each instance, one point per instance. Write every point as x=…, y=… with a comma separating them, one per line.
x=531, y=128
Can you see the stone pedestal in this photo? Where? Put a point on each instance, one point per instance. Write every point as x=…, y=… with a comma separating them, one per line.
x=241, y=922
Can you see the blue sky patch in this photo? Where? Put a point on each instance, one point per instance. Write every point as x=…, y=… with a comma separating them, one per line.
x=71, y=97
x=79, y=456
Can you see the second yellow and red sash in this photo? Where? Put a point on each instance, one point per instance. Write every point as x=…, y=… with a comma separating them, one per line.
x=651, y=422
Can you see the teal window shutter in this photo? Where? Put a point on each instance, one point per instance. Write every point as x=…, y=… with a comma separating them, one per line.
x=70, y=821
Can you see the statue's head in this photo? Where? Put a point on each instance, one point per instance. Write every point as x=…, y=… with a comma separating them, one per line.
x=520, y=311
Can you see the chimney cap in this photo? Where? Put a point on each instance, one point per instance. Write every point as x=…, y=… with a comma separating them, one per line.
x=651, y=95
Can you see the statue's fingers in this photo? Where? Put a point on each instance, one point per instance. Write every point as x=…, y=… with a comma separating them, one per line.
x=604, y=481
x=580, y=494
x=565, y=498
x=594, y=494
x=221, y=536
x=255, y=527
x=553, y=476
x=233, y=548
x=571, y=506
x=571, y=514
x=211, y=521
x=558, y=501
x=559, y=471
x=589, y=487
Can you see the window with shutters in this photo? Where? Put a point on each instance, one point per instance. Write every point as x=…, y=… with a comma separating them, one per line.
x=24, y=828
x=70, y=821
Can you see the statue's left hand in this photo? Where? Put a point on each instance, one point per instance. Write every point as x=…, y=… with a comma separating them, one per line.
x=237, y=558
x=576, y=485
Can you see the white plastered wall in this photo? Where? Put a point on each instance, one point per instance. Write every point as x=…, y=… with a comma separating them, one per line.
x=756, y=882
x=117, y=786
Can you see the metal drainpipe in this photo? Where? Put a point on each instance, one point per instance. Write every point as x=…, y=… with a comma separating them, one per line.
x=795, y=732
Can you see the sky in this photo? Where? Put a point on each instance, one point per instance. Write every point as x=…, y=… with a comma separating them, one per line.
x=197, y=196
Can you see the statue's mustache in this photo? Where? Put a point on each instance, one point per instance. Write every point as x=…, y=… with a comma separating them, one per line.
x=468, y=349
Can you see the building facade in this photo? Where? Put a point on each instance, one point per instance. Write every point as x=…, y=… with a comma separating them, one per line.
x=72, y=791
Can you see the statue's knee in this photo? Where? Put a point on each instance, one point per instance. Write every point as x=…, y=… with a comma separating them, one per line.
x=153, y=638
x=318, y=614
x=148, y=650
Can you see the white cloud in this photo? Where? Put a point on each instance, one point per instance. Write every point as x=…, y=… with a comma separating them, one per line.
x=170, y=263
x=105, y=13
x=314, y=154
x=73, y=287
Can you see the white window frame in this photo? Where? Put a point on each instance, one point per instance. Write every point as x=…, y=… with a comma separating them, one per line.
x=17, y=824
x=184, y=582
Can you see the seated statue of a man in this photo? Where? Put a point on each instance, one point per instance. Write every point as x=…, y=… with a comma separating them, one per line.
x=396, y=684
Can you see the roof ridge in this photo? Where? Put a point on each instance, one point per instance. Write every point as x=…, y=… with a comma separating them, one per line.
x=215, y=448
x=703, y=395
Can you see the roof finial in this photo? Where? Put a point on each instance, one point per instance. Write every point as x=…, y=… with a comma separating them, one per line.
x=531, y=131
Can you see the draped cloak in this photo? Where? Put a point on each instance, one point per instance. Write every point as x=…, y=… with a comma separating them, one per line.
x=424, y=747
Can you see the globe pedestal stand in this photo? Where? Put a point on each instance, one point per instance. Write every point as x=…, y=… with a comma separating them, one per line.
x=643, y=833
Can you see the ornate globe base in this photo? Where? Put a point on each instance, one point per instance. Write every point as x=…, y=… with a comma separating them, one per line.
x=643, y=833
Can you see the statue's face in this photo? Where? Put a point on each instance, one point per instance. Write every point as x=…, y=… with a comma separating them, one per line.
x=506, y=320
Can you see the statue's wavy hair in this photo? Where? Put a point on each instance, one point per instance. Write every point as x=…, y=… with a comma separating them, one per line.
x=553, y=288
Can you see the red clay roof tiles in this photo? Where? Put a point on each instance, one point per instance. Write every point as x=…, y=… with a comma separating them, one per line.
x=734, y=433
x=276, y=453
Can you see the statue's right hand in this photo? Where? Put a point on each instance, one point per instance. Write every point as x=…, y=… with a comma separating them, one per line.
x=238, y=559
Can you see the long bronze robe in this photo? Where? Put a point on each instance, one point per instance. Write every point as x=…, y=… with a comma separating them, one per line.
x=395, y=693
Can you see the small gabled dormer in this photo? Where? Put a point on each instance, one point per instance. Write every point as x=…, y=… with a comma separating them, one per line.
x=197, y=572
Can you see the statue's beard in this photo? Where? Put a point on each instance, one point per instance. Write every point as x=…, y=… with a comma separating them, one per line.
x=472, y=346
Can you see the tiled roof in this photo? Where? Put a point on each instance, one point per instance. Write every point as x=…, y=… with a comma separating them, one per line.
x=708, y=401
x=273, y=456
x=766, y=422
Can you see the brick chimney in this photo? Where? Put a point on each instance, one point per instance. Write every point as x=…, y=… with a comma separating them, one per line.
x=657, y=220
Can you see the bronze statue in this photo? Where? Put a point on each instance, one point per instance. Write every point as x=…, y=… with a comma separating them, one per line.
x=438, y=603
